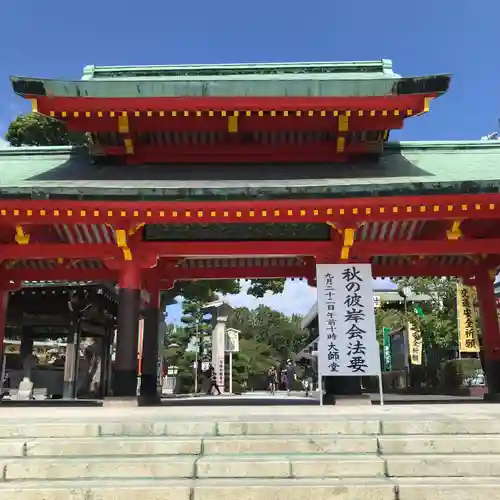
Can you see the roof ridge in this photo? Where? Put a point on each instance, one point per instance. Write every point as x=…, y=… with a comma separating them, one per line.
x=380, y=65
x=441, y=145
x=41, y=150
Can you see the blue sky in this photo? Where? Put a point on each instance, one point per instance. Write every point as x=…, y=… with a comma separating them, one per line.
x=56, y=38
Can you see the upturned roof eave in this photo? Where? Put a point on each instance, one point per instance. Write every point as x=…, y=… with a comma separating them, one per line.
x=210, y=86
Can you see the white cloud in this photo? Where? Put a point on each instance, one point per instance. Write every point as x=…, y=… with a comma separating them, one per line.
x=297, y=297
x=3, y=143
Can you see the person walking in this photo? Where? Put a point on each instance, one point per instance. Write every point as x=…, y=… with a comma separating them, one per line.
x=272, y=375
x=290, y=376
x=308, y=379
x=213, y=381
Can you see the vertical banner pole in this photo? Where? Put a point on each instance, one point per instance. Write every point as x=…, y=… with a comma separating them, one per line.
x=381, y=390
x=4, y=367
x=230, y=372
x=320, y=388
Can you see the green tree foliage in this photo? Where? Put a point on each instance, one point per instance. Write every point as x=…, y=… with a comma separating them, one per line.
x=267, y=338
x=258, y=288
x=387, y=318
x=274, y=335
x=34, y=129
x=438, y=325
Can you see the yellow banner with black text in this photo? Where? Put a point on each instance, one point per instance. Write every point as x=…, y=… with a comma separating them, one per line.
x=414, y=344
x=467, y=325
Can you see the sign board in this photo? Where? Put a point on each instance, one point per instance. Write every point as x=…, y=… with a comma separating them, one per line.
x=467, y=324
x=232, y=340
x=387, y=349
x=346, y=318
x=415, y=344
x=376, y=301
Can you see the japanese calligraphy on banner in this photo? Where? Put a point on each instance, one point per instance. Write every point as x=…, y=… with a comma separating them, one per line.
x=468, y=337
x=346, y=319
x=414, y=344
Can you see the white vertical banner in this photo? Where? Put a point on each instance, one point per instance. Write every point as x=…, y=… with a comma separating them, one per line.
x=346, y=319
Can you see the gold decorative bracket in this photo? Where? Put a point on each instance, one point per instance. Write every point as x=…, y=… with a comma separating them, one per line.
x=427, y=106
x=21, y=237
x=348, y=234
x=124, y=129
x=455, y=233
x=232, y=123
x=135, y=229
x=343, y=124
x=122, y=243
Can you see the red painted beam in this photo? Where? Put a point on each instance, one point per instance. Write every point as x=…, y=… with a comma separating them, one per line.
x=145, y=104
x=255, y=272
x=59, y=250
x=361, y=250
x=61, y=274
x=235, y=248
x=378, y=270
x=253, y=123
x=342, y=211
x=416, y=247
x=189, y=274
x=167, y=249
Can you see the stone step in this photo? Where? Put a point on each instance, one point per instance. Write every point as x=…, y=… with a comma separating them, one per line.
x=456, y=488
x=289, y=445
x=442, y=465
x=305, y=466
x=300, y=466
x=36, y=430
x=150, y=446
x=275, y=489
x=476, y=444
x=96, y=468
x=441, y=426
x=11, y=448
x=112, y=447
x=183, y=428
x=232, y=445
x=189, y=429
x=301, y=428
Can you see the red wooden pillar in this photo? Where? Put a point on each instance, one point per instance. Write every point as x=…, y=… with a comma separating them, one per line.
x=149, y=393
x=491, y=331
x=125, y=368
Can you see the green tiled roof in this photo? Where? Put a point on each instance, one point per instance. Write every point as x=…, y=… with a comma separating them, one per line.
x=372, y=78
x=404, y=168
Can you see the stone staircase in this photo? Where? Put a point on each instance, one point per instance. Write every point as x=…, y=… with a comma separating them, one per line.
x=339, y=458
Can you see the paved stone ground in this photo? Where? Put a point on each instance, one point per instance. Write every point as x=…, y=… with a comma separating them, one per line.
x=251, y=413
